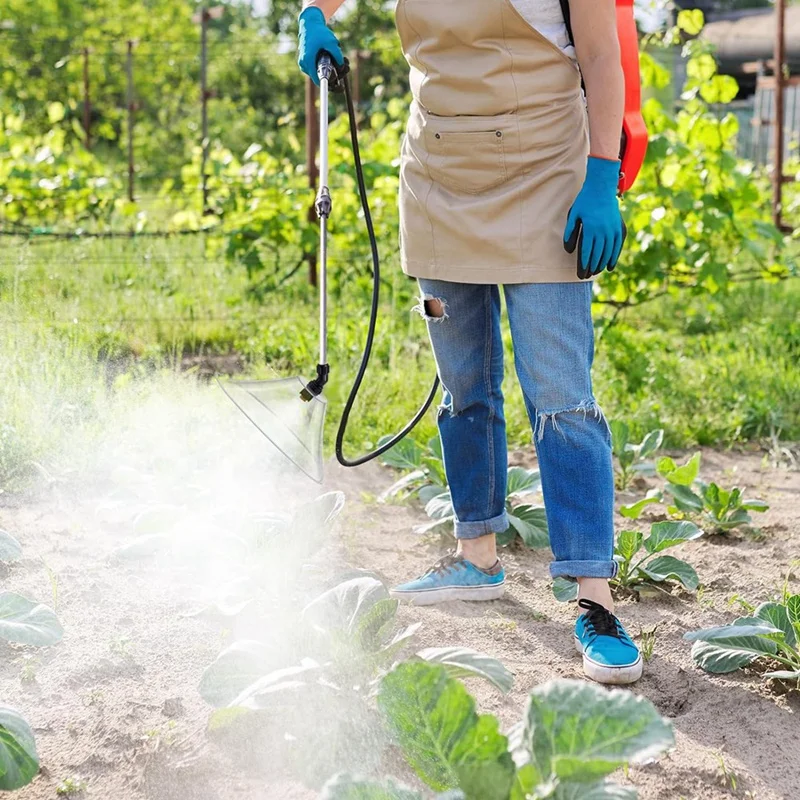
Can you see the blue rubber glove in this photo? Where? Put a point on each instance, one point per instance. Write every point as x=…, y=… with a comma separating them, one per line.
x=315, y=36
x=594, y=224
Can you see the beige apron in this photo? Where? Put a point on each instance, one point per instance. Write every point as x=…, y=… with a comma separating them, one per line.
x=495, y=148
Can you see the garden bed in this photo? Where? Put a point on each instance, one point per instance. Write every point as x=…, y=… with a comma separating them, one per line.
x=115, y=706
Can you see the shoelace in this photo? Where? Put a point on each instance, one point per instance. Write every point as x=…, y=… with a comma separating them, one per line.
x=599, y=620
x=446, y=563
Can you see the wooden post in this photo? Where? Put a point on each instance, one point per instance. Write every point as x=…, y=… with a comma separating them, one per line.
x=780, y=57
x=355, y=78
x=87, y=103
x=129, y=79
x=204, y=16
x=312, y=146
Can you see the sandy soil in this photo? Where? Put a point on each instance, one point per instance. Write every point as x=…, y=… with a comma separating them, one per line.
x=116, y=702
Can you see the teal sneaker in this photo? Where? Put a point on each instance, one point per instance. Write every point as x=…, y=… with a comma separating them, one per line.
x=453, y=578
x=609, y=654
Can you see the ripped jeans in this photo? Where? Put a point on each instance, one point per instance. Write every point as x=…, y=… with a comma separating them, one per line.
x=553, y=337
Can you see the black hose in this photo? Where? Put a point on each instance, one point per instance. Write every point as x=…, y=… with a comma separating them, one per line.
x=373, y=315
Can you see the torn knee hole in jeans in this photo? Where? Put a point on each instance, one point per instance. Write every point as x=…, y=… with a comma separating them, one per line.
x=432, y=309
x=587, y=407
x=447, y=407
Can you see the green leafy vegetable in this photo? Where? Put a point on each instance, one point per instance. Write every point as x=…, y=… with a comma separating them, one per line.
x=636, y=570
x=720, y=509
x=572, y=735
x=448, y=744
x=526, y=521
x=463, y=662
x=684, y=475
x=235, y=668
x=19, y=761
x=426, y=464
x=25, y=622
x=632, y=458
x=634, y=510
x=565, y=589
x=577, y=731
x=771, y=634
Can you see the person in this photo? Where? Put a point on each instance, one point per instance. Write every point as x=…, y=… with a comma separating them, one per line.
x=507, y=167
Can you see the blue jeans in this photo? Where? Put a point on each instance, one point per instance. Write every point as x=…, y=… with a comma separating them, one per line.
x=553, y=337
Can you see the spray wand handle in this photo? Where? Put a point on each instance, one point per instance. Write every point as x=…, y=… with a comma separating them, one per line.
x=325, y=67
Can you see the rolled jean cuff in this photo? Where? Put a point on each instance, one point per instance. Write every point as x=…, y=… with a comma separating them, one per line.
x=474, y=530
x=583, y=569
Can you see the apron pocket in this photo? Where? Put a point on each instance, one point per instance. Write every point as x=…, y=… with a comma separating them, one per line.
x=467, y=161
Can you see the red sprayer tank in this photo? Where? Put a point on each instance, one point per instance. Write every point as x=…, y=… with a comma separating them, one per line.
x=634, y=133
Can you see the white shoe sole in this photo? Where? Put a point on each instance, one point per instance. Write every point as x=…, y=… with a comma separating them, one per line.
x=429, y=597
x=611, y=675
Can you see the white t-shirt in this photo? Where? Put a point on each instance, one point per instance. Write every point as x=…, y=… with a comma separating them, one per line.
x=546, y=17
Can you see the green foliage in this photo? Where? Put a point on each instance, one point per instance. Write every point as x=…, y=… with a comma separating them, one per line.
x=25, y=622
x=462, y=662
x=729, y=357
x=632, y=458
x=651, y=568
x=71, y=786
x=771, y=634
x=254, y=84
x=571, y=737
x=433, y=719
x=262, y=201
x=526, y=521
x=574, y=731
x=49, y=179
x=321, y=689
x=697, y=217
x=350, y=636
x=720, y=509
x=427, y=479
x=19, y=761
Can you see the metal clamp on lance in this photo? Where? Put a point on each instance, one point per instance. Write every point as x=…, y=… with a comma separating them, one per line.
x=314, y=387
x=323, y=204
x=328, y=70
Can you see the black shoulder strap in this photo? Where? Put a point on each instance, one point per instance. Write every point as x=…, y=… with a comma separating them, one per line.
x=567, y=19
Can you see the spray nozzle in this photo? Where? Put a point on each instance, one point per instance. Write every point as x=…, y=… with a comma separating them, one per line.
x=314, y=387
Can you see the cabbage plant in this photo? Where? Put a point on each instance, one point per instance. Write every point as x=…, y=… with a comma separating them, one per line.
x=631, y=456
x=641, y=561
x=571, y=737
x=423, y=466
x=23, y=621
x=526, y=521
x=319, y=690
x=771, y=635
x=428, y=481
x=19, y=761
x=719, y=509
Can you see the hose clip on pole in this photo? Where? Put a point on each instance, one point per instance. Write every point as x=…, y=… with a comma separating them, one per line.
x=323, y=203
x=314, y=387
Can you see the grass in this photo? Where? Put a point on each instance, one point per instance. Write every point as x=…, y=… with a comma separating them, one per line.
x=79, y=318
